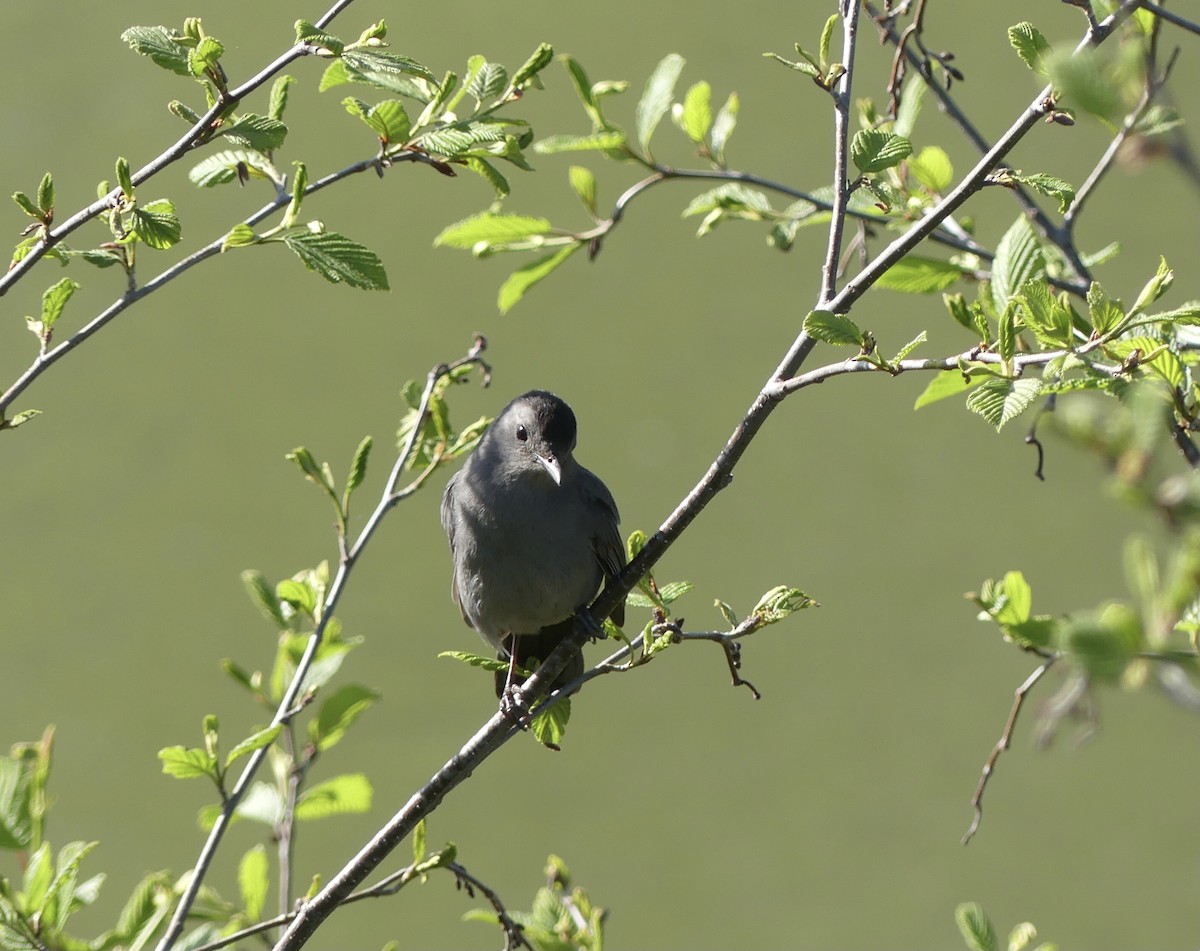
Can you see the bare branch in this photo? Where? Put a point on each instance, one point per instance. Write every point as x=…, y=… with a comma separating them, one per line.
x=841, y=155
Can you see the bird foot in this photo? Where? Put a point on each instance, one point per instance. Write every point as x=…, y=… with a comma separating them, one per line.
x=514, y=706
x=594, y=630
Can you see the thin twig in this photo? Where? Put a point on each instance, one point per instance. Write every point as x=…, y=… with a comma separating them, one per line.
x=1160, y=11
x=1003, y=744
x=841, y=155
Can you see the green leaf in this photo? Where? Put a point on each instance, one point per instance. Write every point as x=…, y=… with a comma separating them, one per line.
x=204, y=56
x=25, y=203
x=734, y=198
x=388, y=119
x=45, y=193
x=1106, y=314
x=780, y=602
x=723, y=126
x=385, y=70
x=488, y=173
x=487, y=82
x=656, y=99
x=975, y=927
x=550, y=724
x=338, y=713
x=1188, y=314
x=358, y=465
x=223, y=167
x=1045, y=315
x=1019, y=257
x=538, y=60
x=342, y=795
x=240, y=236
x=596, y=142
x=833, y=328
x=261, y=133
x=521, y=280
x=826, y=40
x=932, y=167
x=279, y=97
x=338, y=259
x=944, y=384
x=491, y=229
x=160, y=45
x=1158, y=285
x=999, y=400
x=253, y=881
x=1088, y=80
x=909, y=347
x=476, y=660
x=696, y=117
x=19, y=419
x=1030, y=45
x=253, y=742
x=312, y=35
x=800, y=66
x=873, y=150
x=55, y=299
x=124, y=179
x=156, y=224
x=674, y=590
x=583, y=182
x=910, y=109
x=453, y=141
x=914, y=274
x=184, y=763
x=1061, y=191
x=263, y=594
x=418, y=843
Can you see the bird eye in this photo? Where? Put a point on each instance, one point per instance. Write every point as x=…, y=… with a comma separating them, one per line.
x=522, y=433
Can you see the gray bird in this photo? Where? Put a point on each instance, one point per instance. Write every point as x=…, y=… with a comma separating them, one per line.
x=533, y=534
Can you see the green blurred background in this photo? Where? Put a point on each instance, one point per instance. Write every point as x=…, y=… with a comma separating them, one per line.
x=828, y=814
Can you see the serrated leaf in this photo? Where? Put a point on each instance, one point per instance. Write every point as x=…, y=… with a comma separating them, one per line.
x=800, y=66
x=263, y=594
x=388, y=119
x=261, y=133
x=656, y=98
x=358, y=465
x=204, y=55
x=253, y=742
x=488, y=82
x=1019, y=257
x=1030, y=45
x=253, y=881
x=19, y=419
x=124, y=178
x=1188, y=314
x=312, y=35
x=156, y=224
x=54, y=299
x=910, y=346
x=538, y=60
x=491, y=229
x=489, y=174
x=674, y=590
x=476, y=660
x=338, y=712
x=723, y=126
x=418, y=842
x=596, y=142
x=239, y=236
x=779, y=602
x=1045, y=314
x=339, y=259
x=873, y=150
x=932, y=168
x=299, y=594
x=999, y=401
x=1106, y=314
x=26, y=204
x=159, y=44
x=452, y=141
x=45, y=193
x=697, y=112
x=341, y=795
x=910, y=109
x=222, y=167
x=1061, y=191
x=1158, y=285
x=833, y=328
x=975, y=927
x=386, y=70
x=944, y=384
x=733, y=197
x=826, y=40
x=914, y=274
x=550, y=724
x=184, y=763
x=521, y=280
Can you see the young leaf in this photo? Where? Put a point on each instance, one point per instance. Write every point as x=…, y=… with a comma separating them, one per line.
x=873, y=150
x=55, y=299
x=1019, y=257
x=1030, y=45
x=1045, y=314
x=1158, y=285
x=160, y=45
x=476, y=660
x=697, y=112
x=781, y=601
x=156, y=224
x=826, y=40
x=975, y=927
x=1088, y=80
x=418, y=843
x=914, y=274
x=279, y=97
x=183, y=763
x=239, y=236
x=1051, y=187
x=944, y=384
x=45, y=194
x=25, y=203
x=338, y=712
x=932, y=168
x=723, y=125
x=338, y=259
x=833, y=328
x=312, y=35
x=233, y=165
x=656, y=99
x=489, y=229
x=263, y=595
x=583, y=182
x=358, y=465
x=596, y=142
x=521, y=280
x=538, y=60
x=204, y=55
x=550, y=724
x=123, y=177
x=261, y=133
x=999, y=401
x=350, y=793
x=253, y=742
x=1106, y=313
x=253, y=881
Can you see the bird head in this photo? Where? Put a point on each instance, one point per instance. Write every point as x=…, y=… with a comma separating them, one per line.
x=538, y=432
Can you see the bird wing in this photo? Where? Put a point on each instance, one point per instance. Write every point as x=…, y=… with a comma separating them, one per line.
x=606, y=536
x=450, y=523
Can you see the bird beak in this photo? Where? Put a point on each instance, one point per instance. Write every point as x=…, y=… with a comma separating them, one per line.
x=551, y=465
